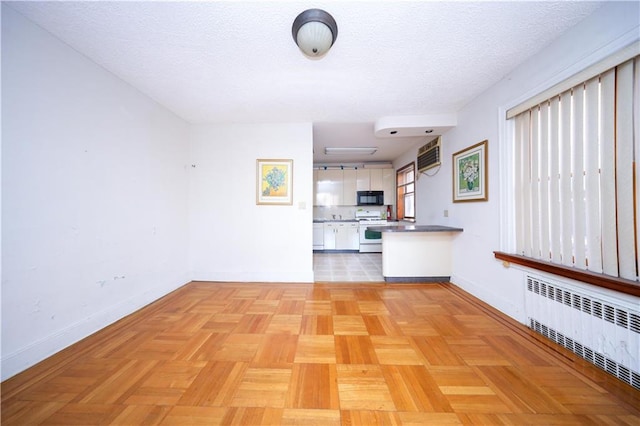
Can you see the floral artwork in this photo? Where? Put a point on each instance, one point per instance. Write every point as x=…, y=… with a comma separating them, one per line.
x=470, y=174
x=274, y=181
x=469, y=169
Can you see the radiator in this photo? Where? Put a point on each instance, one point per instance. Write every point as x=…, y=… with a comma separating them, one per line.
x=601, y=329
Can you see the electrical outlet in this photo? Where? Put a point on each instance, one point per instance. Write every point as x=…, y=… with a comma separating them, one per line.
x=446, y=213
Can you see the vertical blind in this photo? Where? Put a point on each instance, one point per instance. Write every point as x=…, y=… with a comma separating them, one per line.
x=576, y=185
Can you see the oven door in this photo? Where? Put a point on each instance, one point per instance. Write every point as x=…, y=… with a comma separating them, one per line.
x=370, y=242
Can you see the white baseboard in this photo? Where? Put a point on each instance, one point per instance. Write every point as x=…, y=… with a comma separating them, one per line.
x=288, y=276
x=514, y=310
x=41, y=349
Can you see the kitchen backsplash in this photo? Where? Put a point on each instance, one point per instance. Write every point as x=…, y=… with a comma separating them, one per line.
x=343, y=212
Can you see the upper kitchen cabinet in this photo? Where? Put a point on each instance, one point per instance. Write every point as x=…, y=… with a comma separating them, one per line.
x=363, y=180
x=349, y=187
x=329, y=186
x=371, y=179
x=338, y=187
x=378, y=180
x=389, y=186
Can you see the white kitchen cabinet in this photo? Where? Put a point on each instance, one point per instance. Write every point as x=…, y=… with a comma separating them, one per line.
x=375, y=180
x=334, y=187
x=347, y=237
x=363, y=180
x=389, y=186
x=329, y=187
x=341, y=236
x=337, y=187
x=318, y=236
x=330, y=230
x=378, y=180
x=349, y=187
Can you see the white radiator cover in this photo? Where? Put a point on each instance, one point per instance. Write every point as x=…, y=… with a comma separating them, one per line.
x=601, y=329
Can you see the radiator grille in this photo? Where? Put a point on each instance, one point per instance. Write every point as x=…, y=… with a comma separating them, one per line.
x=605, y=333
x=596, y=358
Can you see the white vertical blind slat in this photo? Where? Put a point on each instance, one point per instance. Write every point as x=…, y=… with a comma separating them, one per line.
x=624, y=171
x=592, y=176
x=519, y=183
x=566, y=201
x=555, y=207
x=525, y=170
x=636, y=173
x=535, y=184
x=577, y=183
x=543, y=166
x=608, y=173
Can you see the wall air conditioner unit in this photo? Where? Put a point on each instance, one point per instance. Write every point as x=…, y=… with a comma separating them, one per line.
x=429, y=155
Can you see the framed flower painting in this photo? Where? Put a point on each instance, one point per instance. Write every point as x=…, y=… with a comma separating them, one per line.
x=470, y=174
x=274, y=182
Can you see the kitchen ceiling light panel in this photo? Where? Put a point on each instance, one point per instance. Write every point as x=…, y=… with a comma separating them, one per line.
x=352, y=150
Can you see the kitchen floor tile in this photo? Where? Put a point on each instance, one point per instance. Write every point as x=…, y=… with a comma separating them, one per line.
x=352, y=267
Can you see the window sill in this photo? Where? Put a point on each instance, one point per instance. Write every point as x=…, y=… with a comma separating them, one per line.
x=600, y=280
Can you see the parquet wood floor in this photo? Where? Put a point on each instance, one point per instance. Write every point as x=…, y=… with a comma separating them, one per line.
x=323, y=354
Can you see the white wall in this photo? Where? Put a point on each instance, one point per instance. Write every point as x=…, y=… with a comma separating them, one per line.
x=94, y=196
x=103, y=210
x=232, y=238
x=475, y=268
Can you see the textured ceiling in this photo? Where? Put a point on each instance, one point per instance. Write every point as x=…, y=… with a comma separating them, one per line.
x=224, y=61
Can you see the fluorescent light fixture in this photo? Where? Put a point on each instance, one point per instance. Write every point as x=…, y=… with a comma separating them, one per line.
x=351, y=150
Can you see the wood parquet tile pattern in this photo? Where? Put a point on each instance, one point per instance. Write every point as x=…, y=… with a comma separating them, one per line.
x=305, y=354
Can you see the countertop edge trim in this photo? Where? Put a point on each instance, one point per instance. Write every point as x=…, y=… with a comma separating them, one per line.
x=413, y=228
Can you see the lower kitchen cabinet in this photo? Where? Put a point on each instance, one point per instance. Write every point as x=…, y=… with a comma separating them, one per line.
x=318, y=236
x=341, y=236
x=330, y=231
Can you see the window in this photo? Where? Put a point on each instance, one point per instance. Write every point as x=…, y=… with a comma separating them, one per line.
x=406, y=202
x=576, y=190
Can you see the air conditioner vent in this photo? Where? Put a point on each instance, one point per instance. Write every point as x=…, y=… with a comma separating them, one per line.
x=429, y=155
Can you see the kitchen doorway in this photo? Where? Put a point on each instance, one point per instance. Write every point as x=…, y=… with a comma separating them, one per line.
x=347, y=267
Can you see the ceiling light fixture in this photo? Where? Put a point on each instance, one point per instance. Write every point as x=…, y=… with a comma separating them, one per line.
x=314, y=31
x=351, y=150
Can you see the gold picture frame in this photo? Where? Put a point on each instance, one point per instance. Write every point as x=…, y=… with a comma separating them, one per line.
x=470, y=174
x=274, y=183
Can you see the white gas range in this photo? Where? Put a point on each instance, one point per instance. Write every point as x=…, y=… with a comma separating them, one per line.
x=370, y=242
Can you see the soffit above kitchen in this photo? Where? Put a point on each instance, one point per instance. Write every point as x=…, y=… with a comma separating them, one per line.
x=236, y=61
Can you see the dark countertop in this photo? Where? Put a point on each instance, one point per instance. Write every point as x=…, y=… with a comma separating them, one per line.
x=333, y=220
x=414, y=228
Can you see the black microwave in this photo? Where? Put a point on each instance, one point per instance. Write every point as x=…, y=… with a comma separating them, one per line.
x=370, y=198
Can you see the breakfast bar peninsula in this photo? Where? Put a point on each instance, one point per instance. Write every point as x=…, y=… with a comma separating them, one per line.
x=416, y=253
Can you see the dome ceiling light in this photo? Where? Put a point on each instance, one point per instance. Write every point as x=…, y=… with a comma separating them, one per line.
x=314, y=31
